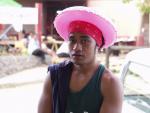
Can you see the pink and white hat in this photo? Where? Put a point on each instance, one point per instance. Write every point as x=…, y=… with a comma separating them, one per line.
x=88, y=21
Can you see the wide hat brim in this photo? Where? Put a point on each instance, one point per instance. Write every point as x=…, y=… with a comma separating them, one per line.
x=64, y=18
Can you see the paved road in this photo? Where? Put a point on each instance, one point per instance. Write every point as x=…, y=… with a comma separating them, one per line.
x=22, y=91
x=21, y=99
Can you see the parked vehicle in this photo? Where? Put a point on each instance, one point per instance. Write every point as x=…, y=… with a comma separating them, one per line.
x=135, y=75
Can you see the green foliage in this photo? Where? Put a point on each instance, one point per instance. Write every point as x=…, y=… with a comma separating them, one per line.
x=143, y=5
x=126, y=1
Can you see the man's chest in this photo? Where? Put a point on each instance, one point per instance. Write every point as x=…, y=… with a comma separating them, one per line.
x=78, y=82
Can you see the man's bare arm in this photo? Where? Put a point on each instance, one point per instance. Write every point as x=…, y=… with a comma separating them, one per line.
x=45, y=103
x=112, y=91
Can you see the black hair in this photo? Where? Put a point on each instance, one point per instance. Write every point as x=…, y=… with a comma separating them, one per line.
x=103, y=42
x=45, y=39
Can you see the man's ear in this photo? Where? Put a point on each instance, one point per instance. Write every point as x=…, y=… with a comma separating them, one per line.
x=96, y=46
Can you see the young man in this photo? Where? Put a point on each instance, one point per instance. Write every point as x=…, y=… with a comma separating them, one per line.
x=81, y=85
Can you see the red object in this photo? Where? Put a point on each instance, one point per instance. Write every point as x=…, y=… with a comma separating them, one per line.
x=1, y=27
x=88, y=29
x=38, y=27
x=140, y=40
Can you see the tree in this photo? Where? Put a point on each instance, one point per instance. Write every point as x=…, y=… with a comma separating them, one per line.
x=143, y=5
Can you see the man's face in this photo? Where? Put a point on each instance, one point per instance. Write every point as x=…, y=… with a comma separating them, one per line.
x=82, y=48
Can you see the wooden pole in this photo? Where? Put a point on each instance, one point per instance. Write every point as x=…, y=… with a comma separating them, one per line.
x=107, y=57
x=38, y=27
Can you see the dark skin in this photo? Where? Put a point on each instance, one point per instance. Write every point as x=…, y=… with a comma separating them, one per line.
x=82, y=53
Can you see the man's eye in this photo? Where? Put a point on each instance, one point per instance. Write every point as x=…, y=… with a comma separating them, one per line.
x=72, y=40
x=85, y=40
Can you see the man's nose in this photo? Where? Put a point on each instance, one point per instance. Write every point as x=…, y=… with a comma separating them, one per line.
x=77, y=46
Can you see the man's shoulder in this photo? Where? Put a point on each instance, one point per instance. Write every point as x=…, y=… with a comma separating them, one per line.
x=60, y=72
x=66, y=63
x=109, y=80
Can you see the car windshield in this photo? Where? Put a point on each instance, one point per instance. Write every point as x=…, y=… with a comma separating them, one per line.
x=137, y=87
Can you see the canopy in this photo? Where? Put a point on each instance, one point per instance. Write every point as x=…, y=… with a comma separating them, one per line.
x=12, y=3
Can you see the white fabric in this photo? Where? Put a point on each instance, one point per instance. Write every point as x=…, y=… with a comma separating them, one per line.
x=33, y=45
x=63, y=48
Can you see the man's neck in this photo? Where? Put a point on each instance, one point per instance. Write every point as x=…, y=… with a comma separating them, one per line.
x=85, y=68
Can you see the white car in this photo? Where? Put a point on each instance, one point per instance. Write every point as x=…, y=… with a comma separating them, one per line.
x=135, y=75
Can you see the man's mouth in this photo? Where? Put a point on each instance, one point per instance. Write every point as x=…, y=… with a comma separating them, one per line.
x=77, y=55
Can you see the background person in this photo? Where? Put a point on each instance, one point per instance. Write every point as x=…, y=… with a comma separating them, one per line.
x=35, y=49
x=33, y=43
x=63, y=50
x=34, y=46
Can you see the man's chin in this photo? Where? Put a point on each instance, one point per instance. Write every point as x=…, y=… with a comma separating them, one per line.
x=81, y=62
x=78, y=62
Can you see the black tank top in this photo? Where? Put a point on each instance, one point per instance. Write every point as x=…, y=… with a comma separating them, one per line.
x=89, y=99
